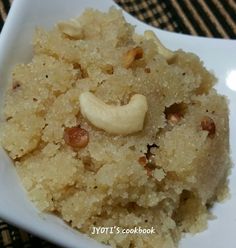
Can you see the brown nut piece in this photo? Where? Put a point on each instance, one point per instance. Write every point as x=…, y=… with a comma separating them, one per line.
x=208, y=124
x=132, y=55
x=142, y=160
x=76, y=137
x=173, y=118
x=148, y=164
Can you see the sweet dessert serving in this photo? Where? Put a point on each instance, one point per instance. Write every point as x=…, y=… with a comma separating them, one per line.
x=108, y=128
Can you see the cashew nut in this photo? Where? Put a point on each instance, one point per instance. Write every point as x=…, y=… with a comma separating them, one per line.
x=150, y=35
x=125, y=119
x=131, y=56
x=72, y=28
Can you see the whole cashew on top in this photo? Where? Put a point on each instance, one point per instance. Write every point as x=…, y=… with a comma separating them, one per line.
x=150, y=35
x=120, y=120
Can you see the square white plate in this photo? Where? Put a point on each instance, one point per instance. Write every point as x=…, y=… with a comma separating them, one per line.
x=15, y=46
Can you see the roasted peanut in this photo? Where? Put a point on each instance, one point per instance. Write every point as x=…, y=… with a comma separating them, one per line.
x=76, y=137
x=173, y=118
x=208, y=124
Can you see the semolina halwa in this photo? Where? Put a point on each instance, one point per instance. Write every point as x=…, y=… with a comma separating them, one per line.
x=159, y=163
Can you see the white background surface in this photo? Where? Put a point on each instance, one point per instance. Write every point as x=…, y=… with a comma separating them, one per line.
x=15, y=46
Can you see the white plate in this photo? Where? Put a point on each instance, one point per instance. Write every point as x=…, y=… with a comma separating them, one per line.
x=15, y=46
